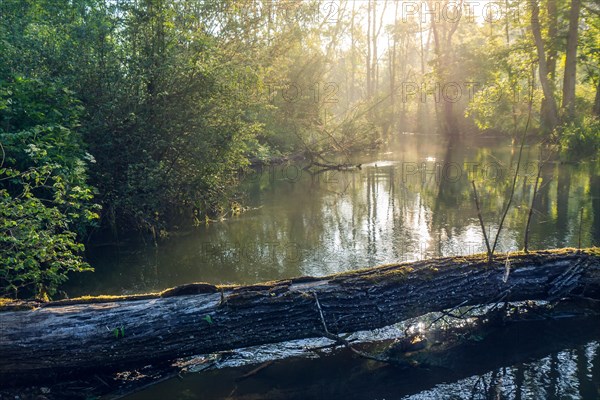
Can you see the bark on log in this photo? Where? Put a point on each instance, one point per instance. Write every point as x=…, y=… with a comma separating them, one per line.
x=68, y=337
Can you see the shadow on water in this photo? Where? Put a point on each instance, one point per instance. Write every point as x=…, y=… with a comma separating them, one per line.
x=533, y=360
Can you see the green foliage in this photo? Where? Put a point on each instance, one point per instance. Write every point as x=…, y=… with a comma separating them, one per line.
x=38, y=249
x=502, y=107
x=171, y=98
x=119, y=332
x=581, y=138
x=172, y=130
x=44, y=197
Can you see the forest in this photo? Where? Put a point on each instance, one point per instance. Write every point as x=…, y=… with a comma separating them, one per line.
x=405, y=192
x=121, y=116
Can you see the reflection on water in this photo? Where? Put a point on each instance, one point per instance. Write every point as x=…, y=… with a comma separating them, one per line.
x=541, y=360
x=410, y=201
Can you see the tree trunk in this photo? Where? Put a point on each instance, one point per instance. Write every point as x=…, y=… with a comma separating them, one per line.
x=352, y=60
x=375, y=39
x=369, y=89
x=552, y=34
x=552, y=54
x=568, y=101
x=422, y=110
x=596, y=109
x=77, y=336
x=442, y=35
x=374, y=52
x=391, y=120
x=550, y=109
x=392, y=73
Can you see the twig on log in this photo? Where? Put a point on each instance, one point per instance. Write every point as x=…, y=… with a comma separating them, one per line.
x=342, y=341
x=506, y=268
x=503, y=298
x=514, y=182
x=462, y=315
x=487, y=242
x=499, y=299
x=322, y=316
x=580, y=225
x=448, y=313
x=530, y=214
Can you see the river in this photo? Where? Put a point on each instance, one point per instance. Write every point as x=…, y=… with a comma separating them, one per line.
x=410, y=200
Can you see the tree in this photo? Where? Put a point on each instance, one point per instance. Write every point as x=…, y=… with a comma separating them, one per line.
x=568, y=100
x=443, y=32
x=551, y=111
x=552, y=11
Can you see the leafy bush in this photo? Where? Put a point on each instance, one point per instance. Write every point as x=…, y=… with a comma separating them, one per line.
x=44, y=197
x=581, y=138
x=38, y=249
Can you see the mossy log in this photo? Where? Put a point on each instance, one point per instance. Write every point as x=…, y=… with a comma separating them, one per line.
x=85, y=335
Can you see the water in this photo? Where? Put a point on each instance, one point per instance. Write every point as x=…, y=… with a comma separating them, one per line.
x=542, y=360
x=409, y=201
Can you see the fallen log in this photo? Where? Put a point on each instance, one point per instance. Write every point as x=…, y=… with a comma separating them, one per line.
x=80, y=336
x=484, y=337
x=502, y=354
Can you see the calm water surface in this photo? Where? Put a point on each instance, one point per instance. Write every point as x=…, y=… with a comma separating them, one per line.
x=409, y=201
x=557, y=360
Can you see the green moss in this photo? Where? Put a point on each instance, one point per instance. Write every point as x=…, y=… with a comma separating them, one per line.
x=390, y=275
x=101, y=299
x=390, y=272
x=7, y=304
